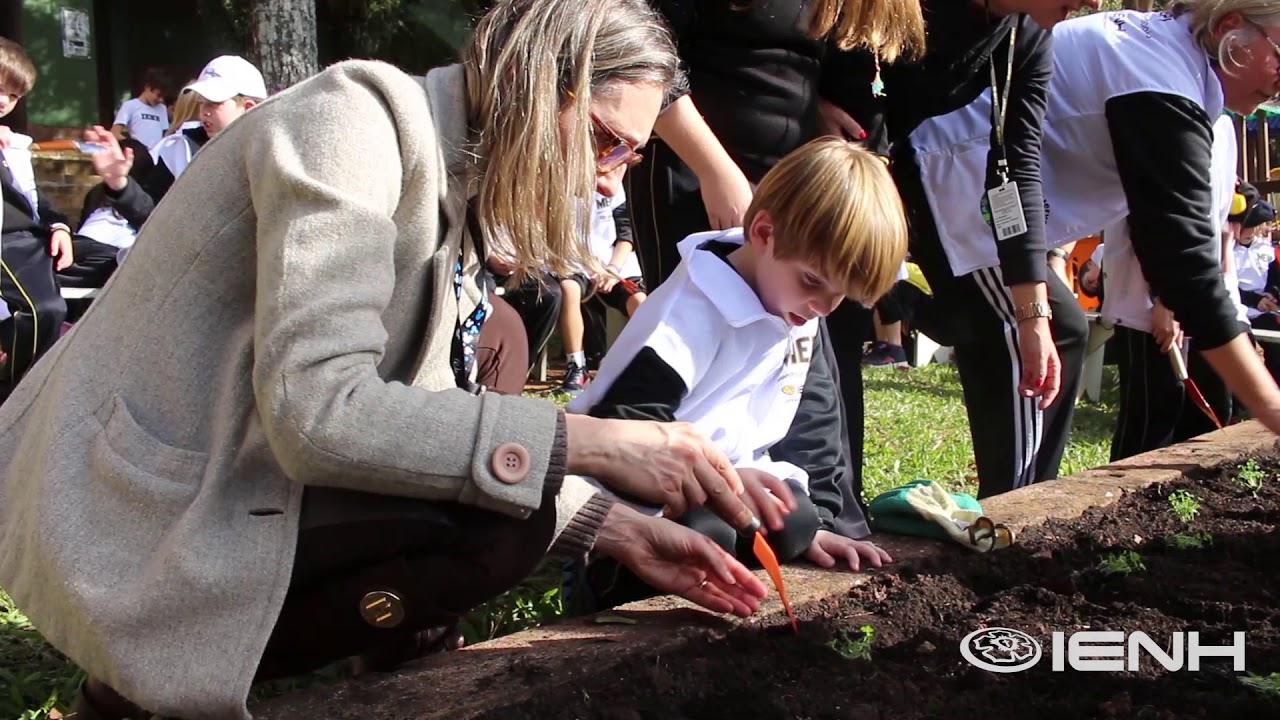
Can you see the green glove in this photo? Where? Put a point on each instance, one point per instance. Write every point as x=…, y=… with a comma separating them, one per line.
x=924, y=508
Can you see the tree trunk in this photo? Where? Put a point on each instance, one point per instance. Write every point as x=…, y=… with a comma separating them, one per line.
x=284, y=41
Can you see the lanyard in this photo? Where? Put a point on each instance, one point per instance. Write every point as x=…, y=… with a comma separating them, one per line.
x=999, y=104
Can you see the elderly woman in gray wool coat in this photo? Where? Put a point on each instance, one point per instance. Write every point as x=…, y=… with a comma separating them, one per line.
x=268, y=445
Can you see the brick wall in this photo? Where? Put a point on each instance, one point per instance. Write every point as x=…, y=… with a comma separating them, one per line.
x=64, y=178
x=40, y=133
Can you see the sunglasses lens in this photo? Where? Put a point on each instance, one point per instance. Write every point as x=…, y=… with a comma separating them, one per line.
x=613, y=157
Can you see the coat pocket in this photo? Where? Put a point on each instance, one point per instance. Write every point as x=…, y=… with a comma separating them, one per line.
x=124, y=440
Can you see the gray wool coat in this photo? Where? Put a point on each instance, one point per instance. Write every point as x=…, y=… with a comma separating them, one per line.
x=285, y=319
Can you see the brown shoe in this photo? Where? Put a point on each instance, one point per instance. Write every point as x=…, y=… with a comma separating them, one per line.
x=120, y=709
x=397, y=652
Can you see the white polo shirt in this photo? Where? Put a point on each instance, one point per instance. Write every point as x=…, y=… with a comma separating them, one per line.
x=743, y=367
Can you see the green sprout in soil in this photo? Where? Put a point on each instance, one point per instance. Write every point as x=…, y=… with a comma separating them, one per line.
x=1190, y=541
x=1121, y=563
x=854, y=646
x=1268, y=685
x=1184, y=505
x=1251, y=476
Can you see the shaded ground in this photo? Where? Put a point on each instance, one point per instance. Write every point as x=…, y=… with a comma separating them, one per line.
x=1055, y=579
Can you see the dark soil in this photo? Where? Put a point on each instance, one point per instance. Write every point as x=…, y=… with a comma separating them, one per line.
x=1048, y=581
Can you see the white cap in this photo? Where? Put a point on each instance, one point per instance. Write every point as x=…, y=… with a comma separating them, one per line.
x=226, y=77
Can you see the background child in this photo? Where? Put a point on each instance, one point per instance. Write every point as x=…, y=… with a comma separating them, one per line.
x=230, y=86
x=145, y=118
x=726, y=342
x=621, y=285
x=35, y=240
x=585, y=295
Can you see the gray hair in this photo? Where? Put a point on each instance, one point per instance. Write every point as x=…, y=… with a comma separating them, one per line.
x=1206, y=14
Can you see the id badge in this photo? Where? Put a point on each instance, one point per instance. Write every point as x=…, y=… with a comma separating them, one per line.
x=1006, y=211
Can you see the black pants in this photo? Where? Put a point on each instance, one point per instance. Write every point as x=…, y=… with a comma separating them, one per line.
x=28, y=287
x=1155, y=411
x=900, y=303
x=439, y=559
x=799, y=528
x=1014, y=442
x=537, y=299
x=93, y=266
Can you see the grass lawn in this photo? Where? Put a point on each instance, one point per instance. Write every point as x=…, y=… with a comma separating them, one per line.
x=916, y=428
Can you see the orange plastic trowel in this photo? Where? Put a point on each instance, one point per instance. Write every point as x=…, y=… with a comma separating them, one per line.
x=769, y=560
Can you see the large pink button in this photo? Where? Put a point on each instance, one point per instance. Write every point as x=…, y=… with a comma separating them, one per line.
x=511, y=463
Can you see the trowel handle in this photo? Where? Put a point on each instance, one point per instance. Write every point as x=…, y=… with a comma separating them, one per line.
x=1179, y=365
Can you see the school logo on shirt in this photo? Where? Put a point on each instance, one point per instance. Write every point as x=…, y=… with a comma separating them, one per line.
x=149, y=116
x=800, y=351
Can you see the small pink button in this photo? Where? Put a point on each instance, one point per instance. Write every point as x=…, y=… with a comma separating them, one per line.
x=511, y=463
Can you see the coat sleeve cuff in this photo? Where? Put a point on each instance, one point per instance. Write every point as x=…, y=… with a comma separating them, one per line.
x=580, y=513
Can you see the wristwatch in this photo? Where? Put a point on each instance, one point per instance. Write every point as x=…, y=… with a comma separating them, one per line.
x=1036, y=309
x=1059, y=253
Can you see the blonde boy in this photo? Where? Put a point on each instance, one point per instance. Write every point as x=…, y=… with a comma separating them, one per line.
x=726, y=342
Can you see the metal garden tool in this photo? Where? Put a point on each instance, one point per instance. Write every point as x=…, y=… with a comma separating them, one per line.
x=1180, y=372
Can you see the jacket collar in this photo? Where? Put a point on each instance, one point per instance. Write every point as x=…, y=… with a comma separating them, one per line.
x=447, y=94
x=724, y=287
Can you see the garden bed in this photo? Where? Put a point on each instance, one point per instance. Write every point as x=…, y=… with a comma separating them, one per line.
x=1146, y=563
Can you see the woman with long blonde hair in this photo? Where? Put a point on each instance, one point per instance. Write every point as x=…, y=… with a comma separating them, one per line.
x=275, y=442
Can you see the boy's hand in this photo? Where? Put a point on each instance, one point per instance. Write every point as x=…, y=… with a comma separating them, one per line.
x=768, y=497
x=60, y=249
x=828, y=549
x=113, y=163
x=5, y=136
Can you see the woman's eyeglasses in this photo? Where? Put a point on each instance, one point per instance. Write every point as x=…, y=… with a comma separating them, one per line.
x=1274, y=48
x=612, y=150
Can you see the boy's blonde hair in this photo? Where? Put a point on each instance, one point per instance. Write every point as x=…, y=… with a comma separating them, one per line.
x=17, y=72
x=835, y=207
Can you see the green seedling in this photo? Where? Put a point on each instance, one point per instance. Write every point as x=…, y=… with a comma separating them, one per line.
x=1251, y=476
x=1190, y=541
x=1121, y=563
x=1268, y=685
x=854, y=647
x=1184, y=505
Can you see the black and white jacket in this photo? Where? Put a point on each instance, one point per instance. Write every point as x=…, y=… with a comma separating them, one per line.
x=1128, y=147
